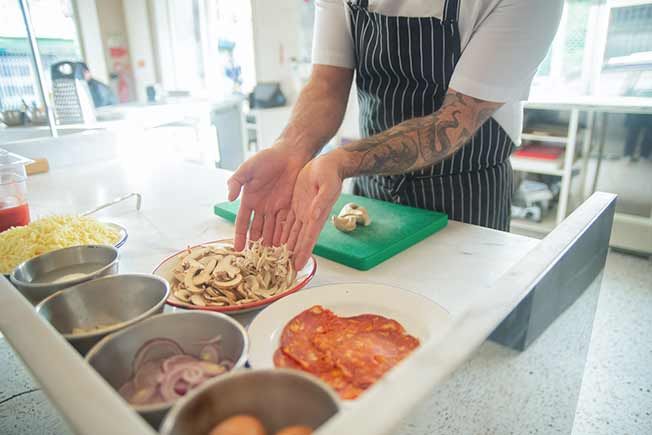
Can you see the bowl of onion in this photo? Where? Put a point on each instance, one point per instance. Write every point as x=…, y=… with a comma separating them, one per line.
x=257, y=402
x=159, y=360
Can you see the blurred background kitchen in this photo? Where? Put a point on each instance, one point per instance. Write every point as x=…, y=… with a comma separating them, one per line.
x=213, y=81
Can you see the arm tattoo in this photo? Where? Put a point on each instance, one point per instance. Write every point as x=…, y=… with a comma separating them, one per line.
x=419, y=142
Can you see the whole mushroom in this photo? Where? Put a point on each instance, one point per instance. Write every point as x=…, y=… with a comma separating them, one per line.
x=350, y=216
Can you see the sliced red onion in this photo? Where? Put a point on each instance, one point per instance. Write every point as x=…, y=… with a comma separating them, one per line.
x=209, y=353
x=143, y=396
x=169, y=383
x=163, y=373
x=211, y=369
x=213, y=340
x=148, y=375
x=193, y=374
x=156, y=348
x=170, y=363
x=127, y=390
x=181, y=388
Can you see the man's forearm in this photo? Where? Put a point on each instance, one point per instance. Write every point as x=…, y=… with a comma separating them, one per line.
x=318, y=112
x=418, y=142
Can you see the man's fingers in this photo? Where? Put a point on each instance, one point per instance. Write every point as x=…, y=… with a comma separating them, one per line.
x=241, y=226
x=287, y=226
x=256, y=229
x=234, y=188
x=279, y=223
x=268, y=228
x=294, y=234
x=308, y=239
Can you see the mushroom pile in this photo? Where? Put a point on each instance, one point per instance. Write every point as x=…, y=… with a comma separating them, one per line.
x=221, y=276
x=350, y=217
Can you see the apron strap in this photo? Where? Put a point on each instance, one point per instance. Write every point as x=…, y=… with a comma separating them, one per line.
x=451, y=11
x=364, y=4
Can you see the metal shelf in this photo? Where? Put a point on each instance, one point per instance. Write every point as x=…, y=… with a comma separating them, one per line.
x=544, y=138
x=538, y=166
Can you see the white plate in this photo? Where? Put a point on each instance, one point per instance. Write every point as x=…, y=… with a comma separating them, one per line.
x=166, y=270
x=420, y=316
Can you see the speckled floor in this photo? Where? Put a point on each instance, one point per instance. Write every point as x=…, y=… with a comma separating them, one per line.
x=616, y=395
x=615, y=399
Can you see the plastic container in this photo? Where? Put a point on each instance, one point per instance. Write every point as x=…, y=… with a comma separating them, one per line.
x=14, y=210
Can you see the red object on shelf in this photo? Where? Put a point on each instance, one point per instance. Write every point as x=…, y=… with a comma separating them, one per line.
x=542, y=152
x=14, y=216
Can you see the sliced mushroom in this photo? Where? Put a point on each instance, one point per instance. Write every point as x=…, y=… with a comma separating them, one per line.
x=183, y=295
x=215, y=282
x=220, y=299
x=198, y=300
x=251, y=283
x=240, y=291
x=192, y=264
x=203, y=276
x=209, y=258
x=344, y=224
x=188, y=282
x=225, y=265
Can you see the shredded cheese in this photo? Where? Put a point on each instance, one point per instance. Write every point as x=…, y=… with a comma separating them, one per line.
x=49, y=233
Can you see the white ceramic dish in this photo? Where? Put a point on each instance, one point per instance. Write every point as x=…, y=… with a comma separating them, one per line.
x=420, y=316
x=166, y=270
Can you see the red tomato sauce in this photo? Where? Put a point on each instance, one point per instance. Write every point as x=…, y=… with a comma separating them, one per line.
x=14, y=216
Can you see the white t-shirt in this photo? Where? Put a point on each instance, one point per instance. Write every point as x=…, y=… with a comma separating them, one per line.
x=502, y=42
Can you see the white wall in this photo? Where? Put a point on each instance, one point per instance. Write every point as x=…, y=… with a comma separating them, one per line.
x=91, y=39
x=276, y=33
x=141, y=48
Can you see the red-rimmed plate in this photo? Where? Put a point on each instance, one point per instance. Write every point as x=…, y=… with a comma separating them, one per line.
x=166, y=269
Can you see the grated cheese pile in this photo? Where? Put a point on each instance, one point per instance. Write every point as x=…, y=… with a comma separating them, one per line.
x=49, y=233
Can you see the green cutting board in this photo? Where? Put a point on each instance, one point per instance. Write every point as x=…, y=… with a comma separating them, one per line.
x=393, y=229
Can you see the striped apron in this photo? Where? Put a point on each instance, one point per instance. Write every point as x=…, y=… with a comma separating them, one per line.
x=403, y=68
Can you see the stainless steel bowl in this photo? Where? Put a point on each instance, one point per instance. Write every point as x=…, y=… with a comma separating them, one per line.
x=112, y=303
x=27, y=275
x=277, y=397
x=113, y=356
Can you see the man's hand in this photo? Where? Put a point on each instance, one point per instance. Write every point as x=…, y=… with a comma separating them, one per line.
x=317, y=188
x=266, y=181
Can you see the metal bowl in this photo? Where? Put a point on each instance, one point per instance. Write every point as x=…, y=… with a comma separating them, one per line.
x=277, y=397
x=113, y=356
x=112, y=303
x=28, y=276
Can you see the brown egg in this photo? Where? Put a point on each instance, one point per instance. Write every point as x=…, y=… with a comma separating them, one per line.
x=295, y=430
x=239, y=425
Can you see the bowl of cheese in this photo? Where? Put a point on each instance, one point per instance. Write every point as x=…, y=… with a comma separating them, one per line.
x=19, y=244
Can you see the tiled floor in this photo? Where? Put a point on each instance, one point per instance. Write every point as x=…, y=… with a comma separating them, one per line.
x=616, y=396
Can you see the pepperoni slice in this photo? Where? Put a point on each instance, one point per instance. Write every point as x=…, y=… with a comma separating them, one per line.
x=281, y=360
x=349, y=353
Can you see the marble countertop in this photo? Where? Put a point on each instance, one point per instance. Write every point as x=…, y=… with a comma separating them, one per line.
x=450, y=267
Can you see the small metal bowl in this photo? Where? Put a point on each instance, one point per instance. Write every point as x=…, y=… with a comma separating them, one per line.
x=277, y=397
x=110, y=303
x=28, y=276
x=113, y=356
